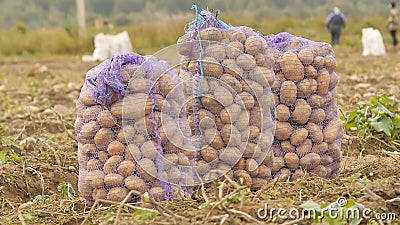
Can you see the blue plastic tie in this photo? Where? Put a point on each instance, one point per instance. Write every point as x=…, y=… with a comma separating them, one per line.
x=222, y=22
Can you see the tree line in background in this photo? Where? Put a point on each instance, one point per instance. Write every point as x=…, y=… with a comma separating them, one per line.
x=54, y=13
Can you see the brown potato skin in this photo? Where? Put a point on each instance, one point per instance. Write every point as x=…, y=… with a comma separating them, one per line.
x=298, y=136
x=282, y=113
x=332, y=130
x=288, y=93
x=315, y=133
x=277, y=164
x=302, y=111
x=291, y=160
x=283, y=130
x=310, y=161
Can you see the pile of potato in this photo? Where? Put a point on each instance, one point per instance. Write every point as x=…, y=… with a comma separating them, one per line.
x=308, y=129
x=133, y=143
x=231, y=108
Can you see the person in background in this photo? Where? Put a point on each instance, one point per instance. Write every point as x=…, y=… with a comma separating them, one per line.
x=393, y=22
x=335, y=23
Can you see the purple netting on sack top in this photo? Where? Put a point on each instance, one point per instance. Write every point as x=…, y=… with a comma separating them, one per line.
x=127, y=112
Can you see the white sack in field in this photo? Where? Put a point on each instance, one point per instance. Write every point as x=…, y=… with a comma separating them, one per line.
x=372, y=42
x=107, y=45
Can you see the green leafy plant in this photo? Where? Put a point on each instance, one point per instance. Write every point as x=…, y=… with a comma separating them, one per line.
x=335, y=213
x=41, y=199
x=378, y=116
x=144, y=215
x=358, y=177
x=6, y=157
x=66, y=190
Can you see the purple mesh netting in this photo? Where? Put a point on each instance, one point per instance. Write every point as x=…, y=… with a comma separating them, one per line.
x=109, y=80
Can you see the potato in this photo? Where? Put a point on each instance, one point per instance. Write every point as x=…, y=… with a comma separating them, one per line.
x=330, y=62
x=306, y=87
x=253, y=131
x=298, y=136
x=211, y=104
x=315, y=101
x=111, y=164
x=291, y=160
x=99, y=194
x=211, y=34
x=283, y=130
x=246, y=61
x=230, y=67
x=234, y=49
x=223, y=96
x=173, y=175
x=257, y=183
x=282, y=113
x=113, y=180
x=302, y=111
x=245, y=99
x=117, y=194
x=256, y=117
x=232, y=82
x=167, y=131
x=115, y=148
x=89, y=148
x=103, y=138
x=320, y=170
x=240, y=165
x=103, y=156
x=318, y=62
x=146, y=169
x=323, y=80
x=320, y=148
x=332, y=130
x=230, y=135
x=184, y=45
x=136, y=106
x=139, y=85
x=209, y=154
x=262, y=75
x=304, y=148
x=126, y=168
x=333, y=81
x=126, y=134
x=306, y=56
x=94, y=164
x=250, y=149
x=252, y=87
x=86, y=96
x=252, y=167
x=116, y=109
x=216, y=51
x=315, y=133
x=277, y=164
x=276, y=85
x=217, y=141
x=183, y=159
x=91, y=113
x=283, y=174
x=242, y=177
x=326, y=160
x=149, y=150
x=288, y=93
x=230, y=155
x=310, y=72
x=299, y=173
x=134, y=151
x=95, y=178
x=202, y=167
x=310, y=161
x=287, y=146
x=136, y=183
x=291, y=67
x=89, y=130
x=317, y=116
x=254, y=44
x=212, y=67
x=264, y=172
x=242, y=122
x=231, y=113
x=158, y=193
x=239, y=36
x=261, y=60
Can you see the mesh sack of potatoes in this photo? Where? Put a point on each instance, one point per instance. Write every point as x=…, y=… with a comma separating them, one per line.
x=308, y=129
x=127, y=126
x=227, y=76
